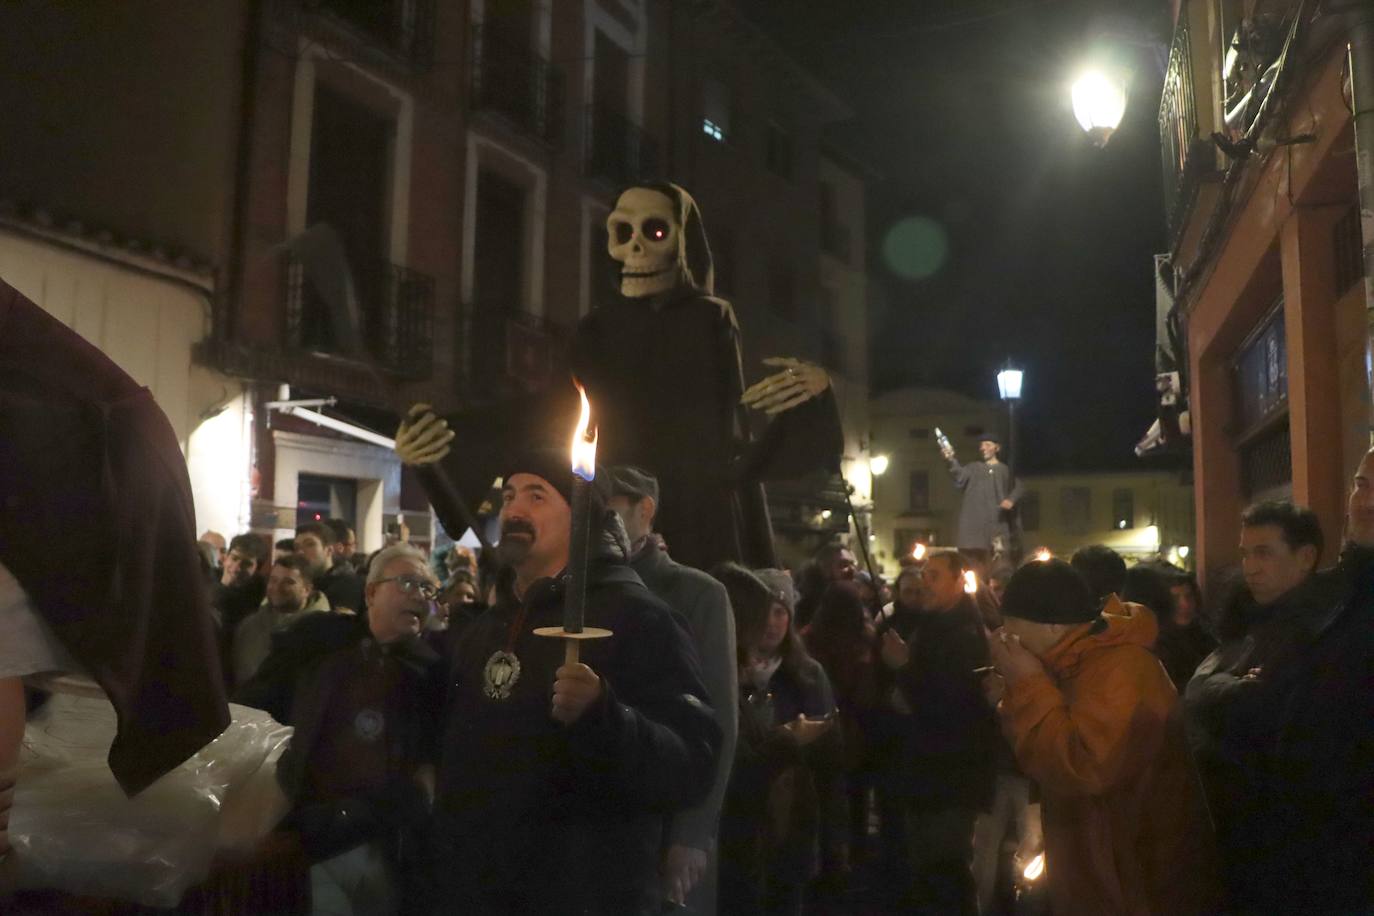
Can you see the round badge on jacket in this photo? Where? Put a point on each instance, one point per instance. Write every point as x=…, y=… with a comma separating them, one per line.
x=369, y=724
x=500, y=674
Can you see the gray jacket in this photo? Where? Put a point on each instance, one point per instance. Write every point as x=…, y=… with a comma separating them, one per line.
x=705, y=608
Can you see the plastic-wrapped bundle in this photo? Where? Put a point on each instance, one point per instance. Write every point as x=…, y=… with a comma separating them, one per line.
x=73, y=829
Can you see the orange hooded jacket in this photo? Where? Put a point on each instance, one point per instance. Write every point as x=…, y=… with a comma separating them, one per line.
x=1126, y=830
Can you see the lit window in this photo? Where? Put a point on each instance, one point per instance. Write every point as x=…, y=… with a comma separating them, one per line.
x=716, y=106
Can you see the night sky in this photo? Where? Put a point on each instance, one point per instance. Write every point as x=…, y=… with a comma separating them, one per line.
x=963, y=109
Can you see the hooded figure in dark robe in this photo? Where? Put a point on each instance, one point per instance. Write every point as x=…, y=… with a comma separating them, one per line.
x=662, y=369
x=97, y=526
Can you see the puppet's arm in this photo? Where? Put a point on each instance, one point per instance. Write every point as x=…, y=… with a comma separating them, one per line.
x=796, y=383
x=423, y=436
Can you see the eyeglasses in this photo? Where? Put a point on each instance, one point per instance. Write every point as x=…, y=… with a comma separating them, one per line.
x=408, y=584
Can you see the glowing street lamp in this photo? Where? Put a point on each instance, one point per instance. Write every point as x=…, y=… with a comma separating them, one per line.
x=1009, y=387
x=878, y=465
x=1099, y=102
x=1009, y=383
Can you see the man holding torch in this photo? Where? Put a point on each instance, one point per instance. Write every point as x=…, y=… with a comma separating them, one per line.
x=556, y=778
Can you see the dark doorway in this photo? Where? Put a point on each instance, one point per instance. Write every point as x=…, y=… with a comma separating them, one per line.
x=319, y=498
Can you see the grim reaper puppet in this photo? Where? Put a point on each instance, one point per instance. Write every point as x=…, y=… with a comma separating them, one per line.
x=661, y=365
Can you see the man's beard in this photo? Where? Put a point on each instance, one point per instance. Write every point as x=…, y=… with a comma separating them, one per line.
x=514, y=550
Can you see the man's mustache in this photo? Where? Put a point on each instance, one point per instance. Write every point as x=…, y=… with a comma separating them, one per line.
x=516, y=526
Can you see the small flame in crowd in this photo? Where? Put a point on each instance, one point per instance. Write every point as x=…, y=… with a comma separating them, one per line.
x=1043, y=555
x=919, y=551
x=1036, y=868
x=583, y=447
x=970, y=582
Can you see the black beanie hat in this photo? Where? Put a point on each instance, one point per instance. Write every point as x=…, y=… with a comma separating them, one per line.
x=1049, y=591
x=548, y=462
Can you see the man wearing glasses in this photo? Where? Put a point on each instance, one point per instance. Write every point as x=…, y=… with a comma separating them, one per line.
x=363, y=693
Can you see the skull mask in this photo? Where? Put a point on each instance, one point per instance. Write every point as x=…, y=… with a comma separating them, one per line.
x=646, y=238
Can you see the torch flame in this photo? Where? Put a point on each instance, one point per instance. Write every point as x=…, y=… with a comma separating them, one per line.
x=970, y=582
x=919, y=551
x=1043, y=555
x=1036, y=868
x=583, y=448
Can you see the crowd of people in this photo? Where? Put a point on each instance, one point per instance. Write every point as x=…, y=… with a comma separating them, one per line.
x=1065, y=736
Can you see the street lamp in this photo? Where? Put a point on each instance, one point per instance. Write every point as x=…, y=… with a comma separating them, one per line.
x=1099, y=102
x=878, y=465
x=1009, y=387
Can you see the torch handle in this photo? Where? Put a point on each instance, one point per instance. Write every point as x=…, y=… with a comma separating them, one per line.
x=572, y=651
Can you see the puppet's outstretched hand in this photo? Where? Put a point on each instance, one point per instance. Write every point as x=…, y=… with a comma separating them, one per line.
x=423, y=437
x=797, y=383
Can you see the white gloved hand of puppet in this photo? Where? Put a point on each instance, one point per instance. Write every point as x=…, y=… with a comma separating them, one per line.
x=796, y=383
x=423, y=437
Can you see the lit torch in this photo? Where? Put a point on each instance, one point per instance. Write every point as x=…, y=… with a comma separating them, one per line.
x=1043, y=555
x=970, y=582
x=582, y=454
x=918, y=553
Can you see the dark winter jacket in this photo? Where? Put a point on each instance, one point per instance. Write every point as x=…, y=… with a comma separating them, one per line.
x=949, y=738
x=1289, y=755
x=537, y=817
x=308, y=681
x=705, y=608
x=1181, y=650
x=1232, y=719
x=771, y=820
x=98, y=525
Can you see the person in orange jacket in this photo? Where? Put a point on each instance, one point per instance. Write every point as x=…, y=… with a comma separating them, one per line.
x=1094, y=720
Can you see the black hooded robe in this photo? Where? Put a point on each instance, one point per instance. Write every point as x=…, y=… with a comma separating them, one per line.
x=664, y=377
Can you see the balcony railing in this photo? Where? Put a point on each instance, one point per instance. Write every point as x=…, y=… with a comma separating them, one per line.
x=406, y=27
x=1178, y=129
x=617, y=149
x=504, y=350
x=517, y=84
x=397, y=314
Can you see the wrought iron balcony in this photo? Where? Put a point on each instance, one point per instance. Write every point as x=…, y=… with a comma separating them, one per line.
x=617, y=149
x=507, y=351
x=1183, y=152
x=397, y=314
x=405, y=27
x=518, y=85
